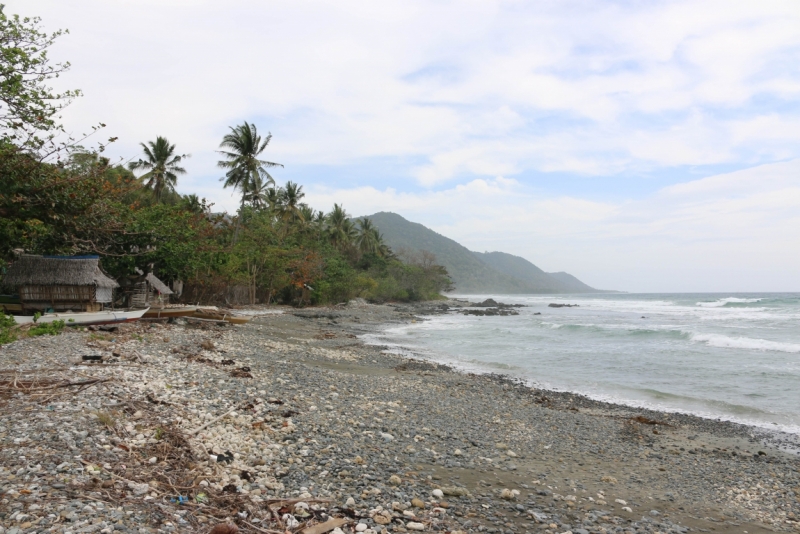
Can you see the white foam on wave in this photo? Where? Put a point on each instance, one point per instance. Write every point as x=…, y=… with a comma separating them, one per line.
x=729, y=300
x=718, y=340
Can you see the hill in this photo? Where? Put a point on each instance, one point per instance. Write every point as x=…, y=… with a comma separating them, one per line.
x=474, y=272
x=521, y=269
x=572, y=284
x=469, y=274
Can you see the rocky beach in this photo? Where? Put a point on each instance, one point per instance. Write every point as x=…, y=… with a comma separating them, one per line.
x=292, y=424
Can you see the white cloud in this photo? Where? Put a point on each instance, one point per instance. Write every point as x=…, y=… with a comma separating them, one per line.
x=456, y=92
x=721, y=233
x=339, y=80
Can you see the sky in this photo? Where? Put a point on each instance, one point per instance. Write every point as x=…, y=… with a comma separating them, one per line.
x=643, y=146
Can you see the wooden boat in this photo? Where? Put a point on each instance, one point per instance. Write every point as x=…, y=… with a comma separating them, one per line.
x=219, y=315
x=10, y=303
x=85, y=318
x=181, y=311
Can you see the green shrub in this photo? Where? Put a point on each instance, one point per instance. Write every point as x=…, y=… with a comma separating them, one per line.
x=47, y=329
x=8, y=329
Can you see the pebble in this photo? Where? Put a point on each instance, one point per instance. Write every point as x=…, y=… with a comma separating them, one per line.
x=379, y=442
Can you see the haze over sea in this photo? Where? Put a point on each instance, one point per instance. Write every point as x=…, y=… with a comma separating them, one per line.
x=730, y=356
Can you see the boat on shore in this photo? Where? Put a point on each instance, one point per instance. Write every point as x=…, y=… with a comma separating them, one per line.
x=177, y=311
x=220, y=315
x=85, y=318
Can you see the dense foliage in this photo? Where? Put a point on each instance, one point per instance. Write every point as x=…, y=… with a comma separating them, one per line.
x=275, y=248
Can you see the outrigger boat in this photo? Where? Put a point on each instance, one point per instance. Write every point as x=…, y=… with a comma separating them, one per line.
x=177, y=311
x=219, y=315
x=84, y=318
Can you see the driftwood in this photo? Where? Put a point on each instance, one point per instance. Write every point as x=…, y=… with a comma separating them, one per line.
x=327, y=526
x=30, y=385
x=221, y=417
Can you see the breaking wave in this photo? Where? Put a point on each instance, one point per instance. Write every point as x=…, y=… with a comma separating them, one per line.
x=718, y=340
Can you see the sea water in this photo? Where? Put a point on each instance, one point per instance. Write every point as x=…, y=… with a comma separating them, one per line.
x=734, y=357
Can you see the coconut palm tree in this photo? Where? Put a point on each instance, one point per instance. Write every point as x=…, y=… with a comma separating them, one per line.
x=368, y=239
x=161, y=164
x=308, y=213
x=242, y=147
x=340, y=228
x=193, y=203
x=290, y=206
x=257, y=193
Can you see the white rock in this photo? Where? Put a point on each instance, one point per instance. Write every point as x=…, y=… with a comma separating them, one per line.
x=507, y=494
x=413, y=525
x=361, y=527
x=620, y=501
x=437, y=493
x=290, y=521
x=153, y=460
x=350, y=502
x=458, y=452
x=387, y=437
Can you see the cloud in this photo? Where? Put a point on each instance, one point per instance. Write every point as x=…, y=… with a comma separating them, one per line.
x=438, y=99
x=469, y=88
x=720, y=233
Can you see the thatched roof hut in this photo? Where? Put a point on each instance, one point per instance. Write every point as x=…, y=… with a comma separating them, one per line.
x=60, y=282
x=157, y=285
x=145, y=289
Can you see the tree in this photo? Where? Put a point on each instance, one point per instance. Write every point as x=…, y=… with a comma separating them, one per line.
x=340, y=229
x=242, y=147
x=368, y=240
x=194, y=204
x=257, y=193
x=290, y=206
x=28, y=107
x=161, y=164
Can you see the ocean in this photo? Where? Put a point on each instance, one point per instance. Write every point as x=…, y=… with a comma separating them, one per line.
x=734, y=357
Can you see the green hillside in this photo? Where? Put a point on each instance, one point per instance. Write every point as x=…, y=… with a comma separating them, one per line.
x=469, y=274
x=521, y=269
x=572, y=284
x=474, y=272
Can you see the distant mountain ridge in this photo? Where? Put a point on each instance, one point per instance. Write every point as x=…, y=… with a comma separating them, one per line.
x=475, y=272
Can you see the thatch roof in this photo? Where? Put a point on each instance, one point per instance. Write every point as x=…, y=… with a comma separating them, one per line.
x=158, y=285
x=30, y=270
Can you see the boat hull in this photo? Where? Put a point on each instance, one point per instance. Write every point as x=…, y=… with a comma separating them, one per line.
x=85, y=318
x=160, y=313
x=215, y=316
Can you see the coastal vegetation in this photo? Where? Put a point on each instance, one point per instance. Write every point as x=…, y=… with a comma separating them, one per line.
x=57, y=197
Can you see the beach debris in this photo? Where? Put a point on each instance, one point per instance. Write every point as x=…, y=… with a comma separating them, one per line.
x=224, y=528
x=647, y=421
x=329, y=525
x=455, y=491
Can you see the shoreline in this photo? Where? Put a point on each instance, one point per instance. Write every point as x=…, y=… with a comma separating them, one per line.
x=775, y=432
x=395, y=443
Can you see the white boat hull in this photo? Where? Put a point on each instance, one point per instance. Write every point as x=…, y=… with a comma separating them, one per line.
x=85, y=318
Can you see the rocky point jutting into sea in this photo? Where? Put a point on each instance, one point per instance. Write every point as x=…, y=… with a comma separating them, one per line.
x=291, y=424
